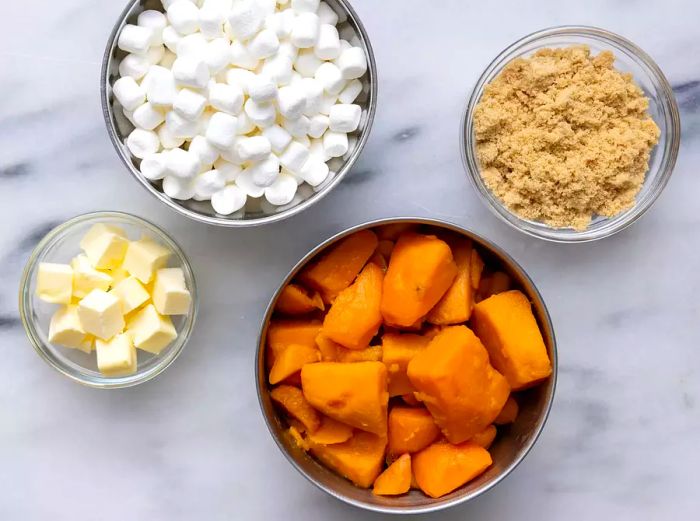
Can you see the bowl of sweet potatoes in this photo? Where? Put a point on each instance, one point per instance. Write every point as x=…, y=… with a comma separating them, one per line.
x=406, y=365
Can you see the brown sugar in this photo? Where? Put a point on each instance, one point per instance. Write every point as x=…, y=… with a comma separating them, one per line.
x=562, y=136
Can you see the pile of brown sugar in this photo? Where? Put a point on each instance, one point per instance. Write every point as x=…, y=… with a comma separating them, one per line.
x=563, y=136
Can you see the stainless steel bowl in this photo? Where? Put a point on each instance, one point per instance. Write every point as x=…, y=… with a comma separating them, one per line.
x=257, y=213
x=513, y=442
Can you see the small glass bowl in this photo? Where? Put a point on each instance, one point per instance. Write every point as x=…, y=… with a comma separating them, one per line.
x=662, y=108
x=60, y=245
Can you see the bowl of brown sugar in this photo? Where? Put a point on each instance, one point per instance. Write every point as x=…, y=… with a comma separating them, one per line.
x=571, y=134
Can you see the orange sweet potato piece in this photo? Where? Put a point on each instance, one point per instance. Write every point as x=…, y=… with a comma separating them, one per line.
x=484, y=438
x=293, y=403
x=291, y=360
x=293, y=379
x=396, y=479
x=298, y=438
x=354, y=318
x=391, y=232
x=354, y=394
x=509, y=412
x=385, y=247
x=331, y=432
x=509, y=331
x=456, y=304
x=410, y=429
x=409, y=399
x=477, y=268
x=442, y=467
x=360, y=459
x=283, y=333
x=296, y=300
x=432, y=330
x=332, y=352
x=421, y=269
x=336, y=269
x=457, y=384
x=493, y=284
x=378, y=260
x=397, y=351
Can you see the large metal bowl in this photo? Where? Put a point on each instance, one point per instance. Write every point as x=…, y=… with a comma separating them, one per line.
x=513, y=442
x=119, y=127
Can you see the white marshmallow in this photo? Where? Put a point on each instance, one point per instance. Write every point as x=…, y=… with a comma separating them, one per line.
x=307, y=63
x=135, y=39
x=330, y=77
x=278, y=137
x=314, y=172
x=278, y=68
x=189, y=104
x=328, y=44
x=326, y=14
x=226, y=98
x=266, y=171
x=352, y=63
x=241, y=57
x=291, y=101
x=155, y=54
x=305, y=6
x=228, y=200
x=191, y=72
x=261, y=88
x=134, y=65
x=264, y=44
x=318, y=125
x=281, y=23
x=211, y=20
x=160, y=86
x=156, y=22
x=335, y=143
x=218, y=55
x=351, y=91
x=230, y=154
x=254, y=148
x=202, y=148
x=298, y=128
x=167, y=139
x=181, y=163
x=282, y=190
x=221, y=131
x=192, y=45
x=168, y=59
x=313, y=92
x=181, y=127
x=289, y=50
x=239, y=78
x=208, y=183
x=148, y=117
x=344, y=117
x=245, y=19
x=327, y=103
x=344, y=45
x=168, y=3
x=267, y=6
x=317, y=151
x=142, y=143
x=153, y=166
x=262, y=114
x=183, y=16
x=129, y=93
x=176, y=188
x=294, y=157
x=245, y=124
x=329, y=180
x=203, y=121
x=305, y=30
x=171, y=38
x=245, y=182
x=230, y=171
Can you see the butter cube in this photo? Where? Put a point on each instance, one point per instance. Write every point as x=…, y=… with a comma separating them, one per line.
x=144, y=257
x=130, y=293
x=117, y=274
x=65, y=329
x=116, y=357
x=150, y=331
x=86, y=278
x=101, y=314
x=54, y=283
x=105, y=245
x=170, y=294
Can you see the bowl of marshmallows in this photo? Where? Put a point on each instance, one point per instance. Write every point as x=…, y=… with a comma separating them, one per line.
x=239, y=112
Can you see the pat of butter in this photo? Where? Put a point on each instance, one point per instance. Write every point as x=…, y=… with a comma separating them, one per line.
x=144, y=257
x=170, y=294
x=130, y=293
x=105, y=245
x=54, y=283
x=86, y=278
x=116, y=357
x=151, y=331
x=65, y=330
x=101, y=314
x=117, y=274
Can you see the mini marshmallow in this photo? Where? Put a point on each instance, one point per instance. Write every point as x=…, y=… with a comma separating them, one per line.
x=129, y=93
x=189, y=104
x=167, y=139
x=317, y=151
x=305, y=6
x=134, y=65
x=148, y=117
x=327, y=102
x=294, y=157
x=297, y=127
x=230, y=171
x=202, y=148
x=304, y=140
x=191, y=72
x=267, y=6
x=156, y=22
x=192, y=45
x=226, y=98
x=239, y=78
x=328, y=44
x=208, y=183
x=291, y=101
x=278, y=68
x=241, y=57
x=218, y=55
x=155, y=54
x=176, y=188
x=329, y=179
x=171, y=38
x=289, y=50
x=254, y=148
x=313, y=91
x=168, y=59
x=335, y=143
x=298, y=179
x=261, y=88
x=307, y=63
x=230, y=154
x=160, y=86
x=228, y=200
x=245, y=124
x=282, y=190
x=221, y=131
x=142, y=143
x=135, y=39
x=245, y=182
x=266, y=171
x=344, y=45
x=203, y=121
x=344, y=117
x=245, y=19
x=326, y=14
x=211, y=20
x=318, y=125
x=262, y=114
x=330, y=77
x=181, y=127
x=351, y=91
x=281, y=23
x=153, y=166
x=305, y=30
x=183, y=16
x=314, y=172
x=352, y=63
x=264, y=44
x=181, y=163
x=278, y=137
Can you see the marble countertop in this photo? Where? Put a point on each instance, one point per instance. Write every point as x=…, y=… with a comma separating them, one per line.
x=622, y=437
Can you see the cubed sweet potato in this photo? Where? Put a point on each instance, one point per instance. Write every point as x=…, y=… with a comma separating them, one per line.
x=298, y=438
x=477, y=268
x=331, y=432
x=354, y=317
x=354, y=393
x=396, y=479
x=296, y=300
x=456, y=304
x=378, y=260
x=443, y=467
x=509, y=412
x=457, y=384
x=360, y=459
x=337, y=268
x=283, y=333
x=291, y=360
x=509, y=331
x=421, y=269
x=493, y=284
x=333, y=352
x=397, y=351
x=293, y=403
x=410, y=400
x=385, y=247
x=485, y=438
x=410, y=429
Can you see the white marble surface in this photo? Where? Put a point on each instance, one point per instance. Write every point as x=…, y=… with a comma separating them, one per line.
x=622, y=437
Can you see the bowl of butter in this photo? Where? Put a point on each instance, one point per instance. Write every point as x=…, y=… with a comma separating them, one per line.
x=108, y=299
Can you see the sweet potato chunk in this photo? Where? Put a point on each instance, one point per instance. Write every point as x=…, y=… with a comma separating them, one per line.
x=509, y=412
x=298, y=438
x=359, y=459
x=332, y=352
x=456, y=304
x=295, y=300
x=291, y=360
x=336, y=269
x=293, y=403
x=331, y=432
x=493, y=284
x=477, y=268
x=484, y=438
x=397, y=351
x=354, y=318
x=410, y=429
x=283, y=333
x=396, y=479
x=509, y=331
x=442, y=467
x=421, y=269
x=457, y=384
x=354, y=394
x=385, y=247
x=409, y=399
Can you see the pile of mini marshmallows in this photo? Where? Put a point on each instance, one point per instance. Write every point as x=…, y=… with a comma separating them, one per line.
x=238, y=99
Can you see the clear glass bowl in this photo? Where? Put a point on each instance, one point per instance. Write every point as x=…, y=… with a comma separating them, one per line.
x=662, y=108
x=62, y=244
